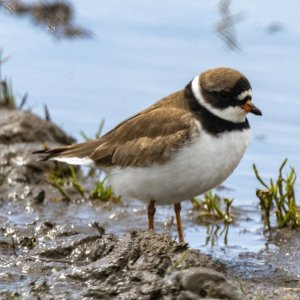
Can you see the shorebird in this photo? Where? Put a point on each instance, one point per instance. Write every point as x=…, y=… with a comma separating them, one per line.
x=183, y=145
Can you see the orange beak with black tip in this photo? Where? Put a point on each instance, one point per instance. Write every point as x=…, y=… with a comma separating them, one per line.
x=249, y=107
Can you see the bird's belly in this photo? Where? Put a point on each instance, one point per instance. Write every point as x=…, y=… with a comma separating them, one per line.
x=194, y=169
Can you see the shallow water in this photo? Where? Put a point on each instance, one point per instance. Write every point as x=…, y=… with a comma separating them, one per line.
x=142, y=51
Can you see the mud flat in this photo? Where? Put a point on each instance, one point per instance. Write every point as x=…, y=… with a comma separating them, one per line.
x=47, y=252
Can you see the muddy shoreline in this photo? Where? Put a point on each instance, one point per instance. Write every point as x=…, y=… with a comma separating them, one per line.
x=47, y=252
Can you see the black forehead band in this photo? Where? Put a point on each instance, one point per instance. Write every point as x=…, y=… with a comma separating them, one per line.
x=242, y=85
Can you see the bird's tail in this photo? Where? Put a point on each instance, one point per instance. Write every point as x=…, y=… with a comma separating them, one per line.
x=76, y=154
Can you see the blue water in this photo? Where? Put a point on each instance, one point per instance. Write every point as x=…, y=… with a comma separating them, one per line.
x=144, y=50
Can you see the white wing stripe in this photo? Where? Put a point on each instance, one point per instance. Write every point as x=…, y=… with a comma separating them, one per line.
x=74, y=160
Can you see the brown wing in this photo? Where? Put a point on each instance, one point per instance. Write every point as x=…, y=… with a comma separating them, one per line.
x=146, y=138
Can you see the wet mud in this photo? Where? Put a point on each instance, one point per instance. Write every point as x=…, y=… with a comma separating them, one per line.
x=54, y=249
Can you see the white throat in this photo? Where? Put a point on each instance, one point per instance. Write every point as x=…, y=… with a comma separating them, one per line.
x=232, y=113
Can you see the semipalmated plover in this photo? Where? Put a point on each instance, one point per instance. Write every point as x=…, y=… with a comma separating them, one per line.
x=183, y=145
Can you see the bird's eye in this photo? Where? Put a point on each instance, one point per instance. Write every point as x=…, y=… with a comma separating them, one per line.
x=224, y=95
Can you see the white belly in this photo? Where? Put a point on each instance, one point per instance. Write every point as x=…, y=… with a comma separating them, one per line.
x=194, y=169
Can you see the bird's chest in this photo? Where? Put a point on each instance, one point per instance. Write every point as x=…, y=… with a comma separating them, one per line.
x=215, y=157
x=201, y=165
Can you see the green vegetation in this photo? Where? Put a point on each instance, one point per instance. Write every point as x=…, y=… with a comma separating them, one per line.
x=104, y=193
x=179, y=263
x=98, y=133
x=68, y=182
x=279, y=197
x=77, y=186
x=59, y=180
x=210, y=208
x=7, y=98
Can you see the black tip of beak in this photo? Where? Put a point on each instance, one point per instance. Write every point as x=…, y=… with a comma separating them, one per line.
x=256, y=111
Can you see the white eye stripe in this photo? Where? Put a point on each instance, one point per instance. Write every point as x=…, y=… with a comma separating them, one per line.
x=244, y=94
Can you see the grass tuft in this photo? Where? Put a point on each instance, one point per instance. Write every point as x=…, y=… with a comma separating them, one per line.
x=7, y=97
x=78, y=187
x=279, y=196
x=97, y=135
x=104, y=193
x=211, y=207
x=67, y=182
x=59, y=180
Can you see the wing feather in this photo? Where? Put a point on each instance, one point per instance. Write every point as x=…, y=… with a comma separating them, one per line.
x=146, y=138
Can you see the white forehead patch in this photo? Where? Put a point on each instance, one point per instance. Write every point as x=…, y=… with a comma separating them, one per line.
x=244, y=94
x=232, y=113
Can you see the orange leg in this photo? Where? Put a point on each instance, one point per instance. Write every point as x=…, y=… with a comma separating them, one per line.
x=177, y=208
x=151, y=212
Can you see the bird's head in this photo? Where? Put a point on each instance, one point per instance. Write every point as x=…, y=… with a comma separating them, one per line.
x=226, y=93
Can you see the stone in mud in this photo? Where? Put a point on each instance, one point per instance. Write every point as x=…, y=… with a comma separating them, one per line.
x=149, y=266
x=202, y=282
x=18, y=126
x=21, y=133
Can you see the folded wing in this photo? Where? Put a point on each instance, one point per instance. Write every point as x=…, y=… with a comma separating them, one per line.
x=146, y=138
